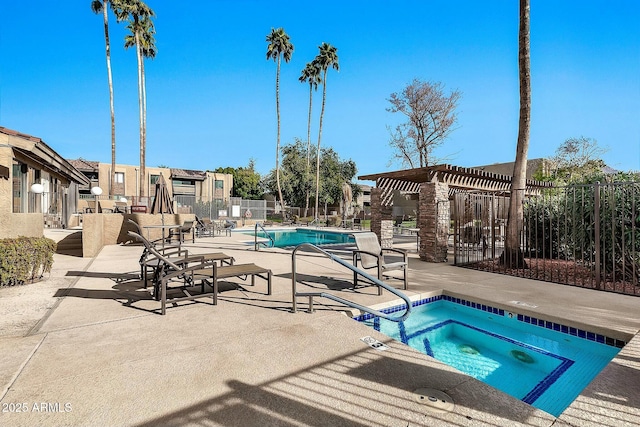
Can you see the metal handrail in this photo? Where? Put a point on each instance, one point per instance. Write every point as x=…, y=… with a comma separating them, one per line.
x=255, y=237
x=340, y=300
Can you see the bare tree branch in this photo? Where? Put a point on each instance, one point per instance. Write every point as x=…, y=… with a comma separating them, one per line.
x=431, y=118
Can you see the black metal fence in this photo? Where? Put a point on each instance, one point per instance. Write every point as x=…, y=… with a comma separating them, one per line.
x=585, y=235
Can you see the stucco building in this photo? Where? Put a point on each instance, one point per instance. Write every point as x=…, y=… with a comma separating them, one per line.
x=38, y=187
x=186, y=187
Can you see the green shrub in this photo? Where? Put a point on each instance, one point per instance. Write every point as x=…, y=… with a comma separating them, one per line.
x=334, y=221
x=25, y=259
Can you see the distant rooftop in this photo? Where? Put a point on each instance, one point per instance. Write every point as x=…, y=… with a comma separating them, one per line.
x=533, y=166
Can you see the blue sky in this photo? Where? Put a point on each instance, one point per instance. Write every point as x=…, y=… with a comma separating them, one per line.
x=211, y=91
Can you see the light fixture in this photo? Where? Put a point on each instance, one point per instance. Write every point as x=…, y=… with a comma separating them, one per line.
x=37, y=188
x=96, y=191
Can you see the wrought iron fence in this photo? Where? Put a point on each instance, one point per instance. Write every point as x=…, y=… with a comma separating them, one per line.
x=585, y=235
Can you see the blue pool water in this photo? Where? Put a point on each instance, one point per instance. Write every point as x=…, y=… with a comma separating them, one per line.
x=542, y=363
x=285, y=238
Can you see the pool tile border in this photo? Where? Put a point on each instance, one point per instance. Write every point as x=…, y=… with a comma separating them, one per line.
x=558, y=327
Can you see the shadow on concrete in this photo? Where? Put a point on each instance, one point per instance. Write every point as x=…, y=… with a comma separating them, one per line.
x=358, y=380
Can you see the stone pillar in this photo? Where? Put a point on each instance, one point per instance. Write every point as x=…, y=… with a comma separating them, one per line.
x=381, y=219
x=433, y=221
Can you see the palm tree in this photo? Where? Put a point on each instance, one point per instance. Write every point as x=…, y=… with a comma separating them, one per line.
x=279, y=47
x=102, y=6
x=142, y=31
x=311, y=74
x=328, y=57
x=512, y=256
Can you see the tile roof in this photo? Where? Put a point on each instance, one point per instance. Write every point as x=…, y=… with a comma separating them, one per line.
x=19, y=134
x=188, y=174
x=82, y=164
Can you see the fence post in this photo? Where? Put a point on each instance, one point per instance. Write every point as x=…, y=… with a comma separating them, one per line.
x=596, y=207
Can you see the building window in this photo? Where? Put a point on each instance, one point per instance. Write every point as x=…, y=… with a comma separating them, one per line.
x=219, y=184
x=177, y=181
x=19, y=187
x=119, y=177
x=154, y=179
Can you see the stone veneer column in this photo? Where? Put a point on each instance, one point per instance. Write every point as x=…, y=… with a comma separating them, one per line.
x=381, y=219
x=433, y=221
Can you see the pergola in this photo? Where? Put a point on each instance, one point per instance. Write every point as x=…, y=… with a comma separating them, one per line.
x=456, y=177
x=435, y=186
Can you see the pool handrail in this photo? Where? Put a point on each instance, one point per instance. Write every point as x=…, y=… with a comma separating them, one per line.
x=255, y=237
x=338, y=299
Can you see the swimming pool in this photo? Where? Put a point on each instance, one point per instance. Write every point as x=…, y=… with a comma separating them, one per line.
x=286, y=238
x=542, y=363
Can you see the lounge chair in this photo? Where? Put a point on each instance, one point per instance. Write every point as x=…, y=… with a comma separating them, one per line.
x=184, y=230
x=205, y=227
x=371, y=255
x=154, y=266
x=182, y=273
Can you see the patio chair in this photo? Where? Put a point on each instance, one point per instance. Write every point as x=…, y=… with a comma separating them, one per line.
x=83, y=206
x=107, y=206
x=371, y=255
x=205, y=227
x=184, y=230
x=357, y=223
x=122, y=207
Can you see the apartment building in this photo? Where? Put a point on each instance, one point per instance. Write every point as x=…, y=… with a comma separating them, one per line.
x=187, y=187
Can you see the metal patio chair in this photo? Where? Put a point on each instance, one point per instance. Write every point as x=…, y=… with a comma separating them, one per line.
x=371, y=255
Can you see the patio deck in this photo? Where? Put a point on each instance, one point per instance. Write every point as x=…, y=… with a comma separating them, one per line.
x=104, y=356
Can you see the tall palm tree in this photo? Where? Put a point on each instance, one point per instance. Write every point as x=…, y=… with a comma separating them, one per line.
x=279, y=47
x=328, y=57
x=103, y=6
x=141, y=37
x=512, y=255
x=311, y=74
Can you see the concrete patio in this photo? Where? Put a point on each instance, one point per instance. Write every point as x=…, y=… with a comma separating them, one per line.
x=104, y=356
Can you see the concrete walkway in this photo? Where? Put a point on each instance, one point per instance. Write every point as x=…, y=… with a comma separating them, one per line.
x=104, y=356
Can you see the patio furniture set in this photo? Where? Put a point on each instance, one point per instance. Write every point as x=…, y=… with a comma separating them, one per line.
x=175, y=274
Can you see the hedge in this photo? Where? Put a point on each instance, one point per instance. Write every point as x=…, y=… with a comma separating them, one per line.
x=25, y=259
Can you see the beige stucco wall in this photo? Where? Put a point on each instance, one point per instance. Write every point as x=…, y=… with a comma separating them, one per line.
x=131, y=178
x=99, y=230
x=16, y=225
x=6, y=159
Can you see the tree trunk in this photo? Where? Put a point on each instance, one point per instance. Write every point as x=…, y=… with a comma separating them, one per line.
x=144, y=109
x=324, y=97
x=113, y=114
x=142, y=146
x=512, y=257
x=278, y=138
x=306, y=182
